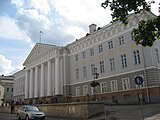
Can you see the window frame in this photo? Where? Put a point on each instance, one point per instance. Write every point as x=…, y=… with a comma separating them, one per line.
x=100, y=48
x=121, y=40
x=114, y=87
x=101, y=63
x=126, y=83
x=76, y=58
x=112, y=64
x=137, y=58
x=83, y=54
x=77, y=73
x=103, y=87
x=85, y=89
x=78, y=91
x=91, y=52
x=124, y=60
x=84, y=71
x=110, y=44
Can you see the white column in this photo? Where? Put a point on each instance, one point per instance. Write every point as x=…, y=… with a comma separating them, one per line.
x=49, y=79
x=57, y=77
x=64, y=69
x=53, y=80
x=42, y=81
x=36, y=83
x=31, y=84
x=26, y=84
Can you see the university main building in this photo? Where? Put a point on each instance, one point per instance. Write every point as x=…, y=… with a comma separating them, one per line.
x=58, y=72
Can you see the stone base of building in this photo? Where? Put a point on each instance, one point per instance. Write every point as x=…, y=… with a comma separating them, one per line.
x=150, y=95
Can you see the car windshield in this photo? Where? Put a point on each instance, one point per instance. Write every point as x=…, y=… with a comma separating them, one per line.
x=32, y=109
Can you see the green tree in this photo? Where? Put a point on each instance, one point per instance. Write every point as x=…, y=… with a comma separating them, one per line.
x=148, y=31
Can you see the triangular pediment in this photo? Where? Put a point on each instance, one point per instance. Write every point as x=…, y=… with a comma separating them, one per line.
x=38, y=50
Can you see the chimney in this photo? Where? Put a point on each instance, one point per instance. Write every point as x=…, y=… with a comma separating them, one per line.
x=92, y=28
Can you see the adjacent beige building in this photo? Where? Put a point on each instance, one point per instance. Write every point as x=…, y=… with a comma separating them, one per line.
x=7, y=83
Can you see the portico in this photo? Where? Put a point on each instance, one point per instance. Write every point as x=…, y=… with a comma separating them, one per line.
x=43, y=72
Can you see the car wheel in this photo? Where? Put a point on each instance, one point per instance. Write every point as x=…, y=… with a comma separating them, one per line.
x=27, y=117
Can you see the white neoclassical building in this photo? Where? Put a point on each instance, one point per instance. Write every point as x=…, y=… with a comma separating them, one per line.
x=52, y=70
x=46, y=70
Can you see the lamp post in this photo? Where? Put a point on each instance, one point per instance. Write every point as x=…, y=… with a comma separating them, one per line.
x=94, y=83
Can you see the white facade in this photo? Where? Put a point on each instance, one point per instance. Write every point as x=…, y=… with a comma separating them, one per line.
x=19, y=80
x=44, y=67
x=51, y=70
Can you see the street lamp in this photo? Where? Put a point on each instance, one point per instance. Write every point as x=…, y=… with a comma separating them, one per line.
x=94, y=83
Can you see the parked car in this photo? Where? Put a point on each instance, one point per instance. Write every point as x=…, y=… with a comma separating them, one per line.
x=30, y=112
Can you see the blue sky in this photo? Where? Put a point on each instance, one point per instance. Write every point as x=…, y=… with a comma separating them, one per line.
x=61, y=21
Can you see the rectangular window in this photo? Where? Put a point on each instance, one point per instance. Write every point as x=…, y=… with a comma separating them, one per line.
x=101, y=66
x=76, y=56
x=78, y=90
x=92, y=68
x=112, y=64
x=121, y=40
x=103, y=87
x=124, y=60
x=84, y=71
x=92, y=90
x=157, y=55
x=92, y=52
x=126, y=83
x=137, y=59
x=77, y=73
x=100, y=48
x=7, y=89
x=114, y=86
x=83, y=55
x=85, y=89
x=110, y=45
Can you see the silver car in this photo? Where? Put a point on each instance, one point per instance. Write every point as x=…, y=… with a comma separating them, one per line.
x=30, y=112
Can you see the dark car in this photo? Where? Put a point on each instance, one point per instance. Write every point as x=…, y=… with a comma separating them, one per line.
x=30, y=112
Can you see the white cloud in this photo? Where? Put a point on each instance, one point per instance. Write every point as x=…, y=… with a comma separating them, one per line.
x=41, y=5
x=10, y=30
x=87, y=12
x=75, y=31
x=59, y=19
x=5, y=65
x=18, y=3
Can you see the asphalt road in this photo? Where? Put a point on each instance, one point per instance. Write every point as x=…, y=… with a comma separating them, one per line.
x=6, y=116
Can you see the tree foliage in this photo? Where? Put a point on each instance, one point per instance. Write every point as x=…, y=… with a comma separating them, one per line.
x=148, y=31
